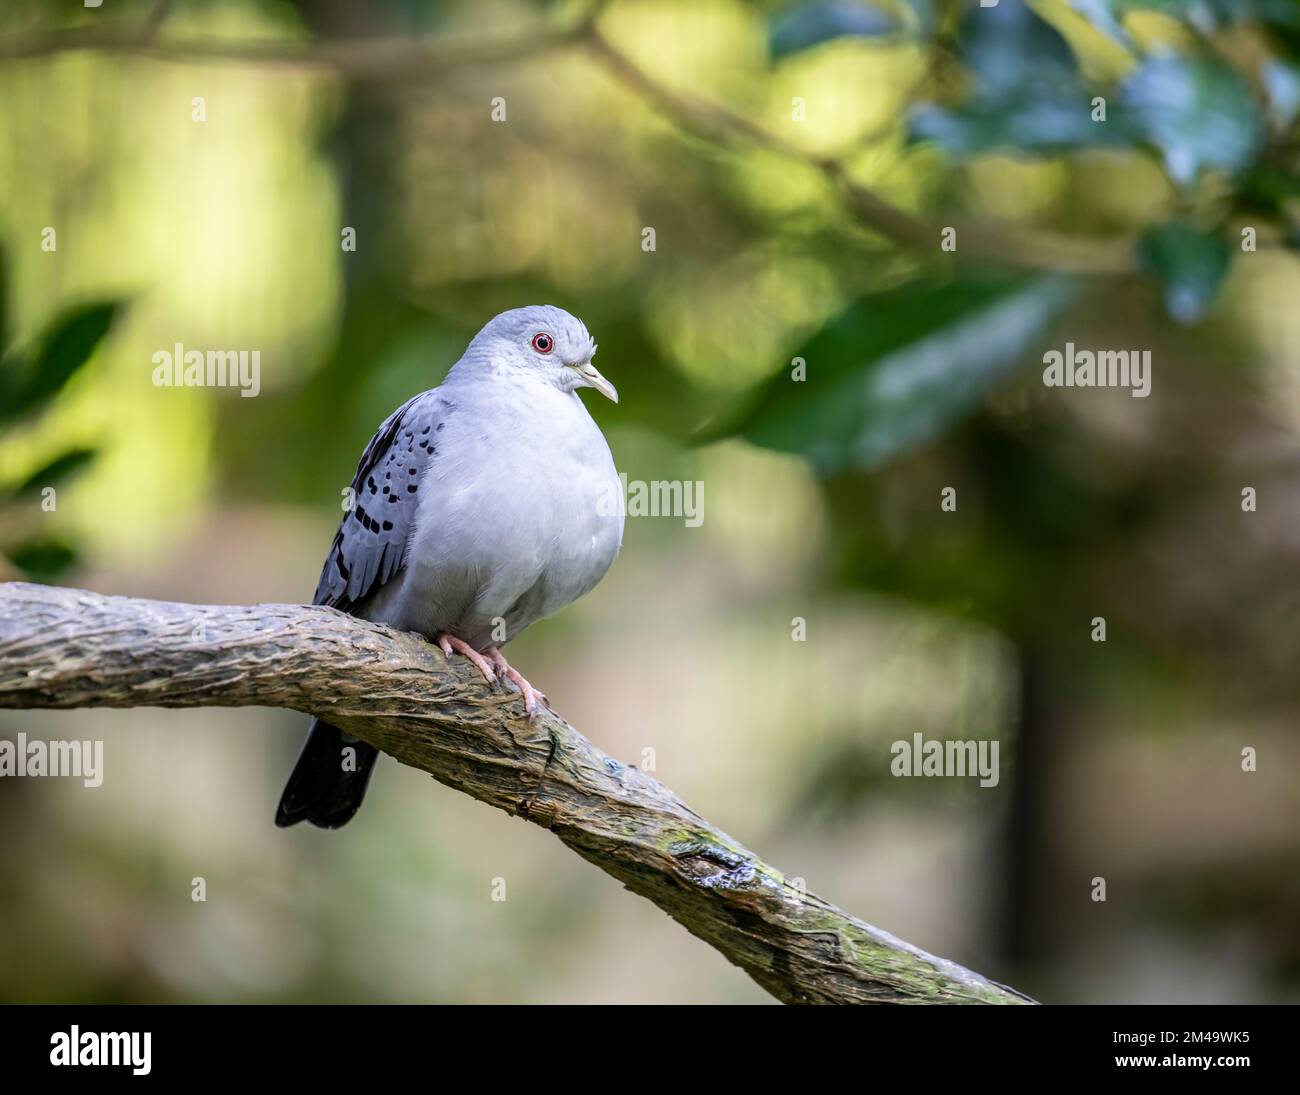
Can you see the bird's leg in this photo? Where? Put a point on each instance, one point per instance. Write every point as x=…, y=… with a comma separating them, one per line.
x=450, y=643
x=531, y=695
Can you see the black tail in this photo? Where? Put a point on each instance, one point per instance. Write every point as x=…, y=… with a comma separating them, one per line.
x=327, y=784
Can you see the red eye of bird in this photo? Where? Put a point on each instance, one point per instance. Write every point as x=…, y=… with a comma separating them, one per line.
x=543, y=343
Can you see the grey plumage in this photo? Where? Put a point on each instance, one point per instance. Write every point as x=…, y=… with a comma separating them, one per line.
x=481, y=506
x=371, y=542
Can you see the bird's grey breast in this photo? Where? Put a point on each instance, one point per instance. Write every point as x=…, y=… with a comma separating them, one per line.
x=518, y=515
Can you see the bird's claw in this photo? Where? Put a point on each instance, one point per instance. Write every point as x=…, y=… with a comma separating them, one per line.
x=530, y=694
x=450, y=644
x=495, y=669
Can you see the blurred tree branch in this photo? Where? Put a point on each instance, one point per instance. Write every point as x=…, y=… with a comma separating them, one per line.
x=384, y=59
x=986, y=242
x=404, y=59
x=68, y=648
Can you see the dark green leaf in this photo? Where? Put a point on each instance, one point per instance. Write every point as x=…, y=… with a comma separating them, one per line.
x=1028, y=94
x=898, y=368
x=56, y=470
x=1009, y=46
x=43, y=560
x=1205, y=15
x=67, y=346
x=1269, y=188
x=12, y=370
x=812, y=24
x=1191, y=264
x=4, y=303
x=1282, y=20
x=1044, y=122
x=1198, y=113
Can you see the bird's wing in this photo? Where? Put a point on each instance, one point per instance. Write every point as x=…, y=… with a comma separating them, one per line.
x=370, y=544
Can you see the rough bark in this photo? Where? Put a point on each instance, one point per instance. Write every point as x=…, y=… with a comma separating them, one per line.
x=67, y=648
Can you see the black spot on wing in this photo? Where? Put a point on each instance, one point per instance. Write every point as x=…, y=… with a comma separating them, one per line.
x=370, y=547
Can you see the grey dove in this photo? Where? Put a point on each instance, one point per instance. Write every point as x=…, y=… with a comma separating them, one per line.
x=481, y=506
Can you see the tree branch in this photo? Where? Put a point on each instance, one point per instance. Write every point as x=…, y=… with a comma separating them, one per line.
x=67, y=648
x=387, y=59
x=985, y=241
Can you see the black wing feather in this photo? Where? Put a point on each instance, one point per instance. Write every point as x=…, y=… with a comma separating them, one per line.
x=370, y=544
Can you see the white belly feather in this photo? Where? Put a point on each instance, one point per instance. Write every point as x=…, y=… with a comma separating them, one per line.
x=493, y=551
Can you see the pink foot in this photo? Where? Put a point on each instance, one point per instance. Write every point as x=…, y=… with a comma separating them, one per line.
x=531, y=695
x=450, y=643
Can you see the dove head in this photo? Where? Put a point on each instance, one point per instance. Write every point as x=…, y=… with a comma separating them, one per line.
x=540, y=342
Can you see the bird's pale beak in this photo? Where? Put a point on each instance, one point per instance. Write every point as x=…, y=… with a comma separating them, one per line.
x=591, y=378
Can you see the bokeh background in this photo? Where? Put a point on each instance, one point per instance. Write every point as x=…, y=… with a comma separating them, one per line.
x=715, y=122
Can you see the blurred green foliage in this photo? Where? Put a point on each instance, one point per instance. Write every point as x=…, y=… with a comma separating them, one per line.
x=30, y=381
x=876, y=390
x=920, y=373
